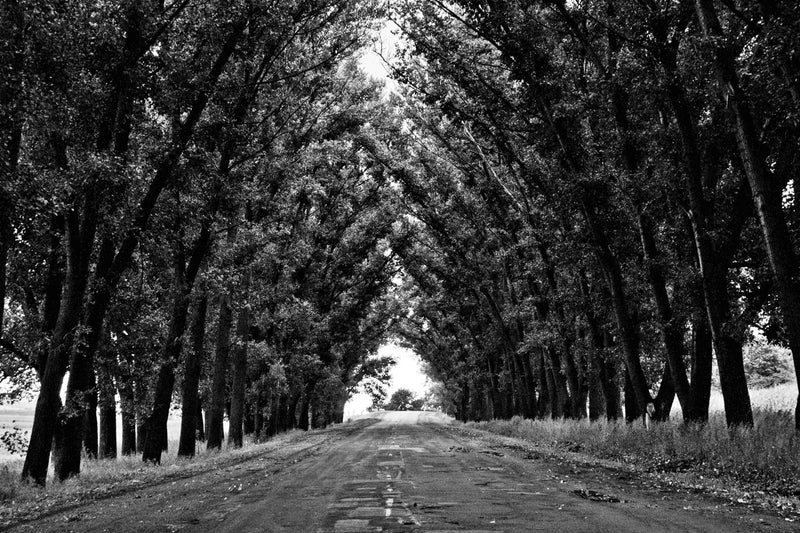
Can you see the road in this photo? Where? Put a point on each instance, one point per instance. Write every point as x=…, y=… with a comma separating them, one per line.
x=405, y=472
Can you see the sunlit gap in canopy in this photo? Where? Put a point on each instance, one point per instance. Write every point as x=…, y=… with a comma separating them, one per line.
x=407, y=373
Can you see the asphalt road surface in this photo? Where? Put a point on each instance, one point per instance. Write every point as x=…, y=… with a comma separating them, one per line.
x=405, y=472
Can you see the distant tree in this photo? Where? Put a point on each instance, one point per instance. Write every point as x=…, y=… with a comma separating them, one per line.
x=404, y=400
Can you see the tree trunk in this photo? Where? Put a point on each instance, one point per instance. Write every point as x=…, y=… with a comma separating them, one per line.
x=662, y=403
x=141, y=419
x=577, y=408
x=626, y=323
x=90, y=430
x=633, y=411
x=305, y=407
x=258, y=416
x=545, y=387
x=128, y=408
x=702, y=364
x=671, y=327
x=611, y=393
x=558, y=386
x=81, y=390
x=155, y=441
x=597, y=404
x=216, y=408
x=292, y=411
x=48, y=403
x=767, y=199
x=338, y=411
x=530, y=384
x=713, y=265
x=275, y=407
x=190, y=402
x=239, y=371
x=156, y=437
x=106, y=391
x=108, y=426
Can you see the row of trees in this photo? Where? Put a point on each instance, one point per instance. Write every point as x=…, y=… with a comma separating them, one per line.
x=187, y=212
x=604, y=198
x=572, y=205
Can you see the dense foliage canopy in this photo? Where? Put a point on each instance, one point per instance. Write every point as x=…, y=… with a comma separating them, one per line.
x=565, y=207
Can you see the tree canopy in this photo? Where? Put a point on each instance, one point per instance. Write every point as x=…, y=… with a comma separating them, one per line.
x=568, y=209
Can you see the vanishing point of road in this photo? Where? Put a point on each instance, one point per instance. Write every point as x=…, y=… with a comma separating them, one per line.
x=402, y=472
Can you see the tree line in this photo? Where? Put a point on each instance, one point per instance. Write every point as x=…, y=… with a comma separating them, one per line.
x=187, y=216
x=566, y=208
x=604, y=199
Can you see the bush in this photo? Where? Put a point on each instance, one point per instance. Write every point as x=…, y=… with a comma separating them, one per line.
x=767, y=365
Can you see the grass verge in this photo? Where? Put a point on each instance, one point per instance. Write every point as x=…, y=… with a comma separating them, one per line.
x=103, y=478
x=765, y=458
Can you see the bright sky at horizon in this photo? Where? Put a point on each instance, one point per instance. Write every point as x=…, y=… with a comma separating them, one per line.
x=407, y=373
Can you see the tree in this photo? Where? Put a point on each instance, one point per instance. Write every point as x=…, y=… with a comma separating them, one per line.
x=403, y=400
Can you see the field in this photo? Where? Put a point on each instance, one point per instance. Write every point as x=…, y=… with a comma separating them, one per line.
x=20, y=416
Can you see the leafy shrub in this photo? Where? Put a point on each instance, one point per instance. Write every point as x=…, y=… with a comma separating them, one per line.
x=767, y=365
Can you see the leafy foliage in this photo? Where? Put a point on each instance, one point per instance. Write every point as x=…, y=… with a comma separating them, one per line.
x=403, y=400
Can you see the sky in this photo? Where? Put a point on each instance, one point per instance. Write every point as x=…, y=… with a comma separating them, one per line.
x=406, y=374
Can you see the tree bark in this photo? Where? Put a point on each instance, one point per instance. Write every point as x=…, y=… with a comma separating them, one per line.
x=106, y=394
x=90, y=429
x=545, y=387
x=557, y=385
x=48, y=403
x=305, y=407
x=141, y=418
x=633, y=410
x=108, y=428
x=702, y=355
x=190, y=402
x=239, y=375
x=636, y=383
x=258, y=416
x=155, y=440
x=216, y=408
x=127, y=406
x=156, y=437
x=671, y=326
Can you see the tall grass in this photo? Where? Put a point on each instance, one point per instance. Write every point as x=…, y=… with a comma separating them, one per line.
x=766, y=456
x=100, y=476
